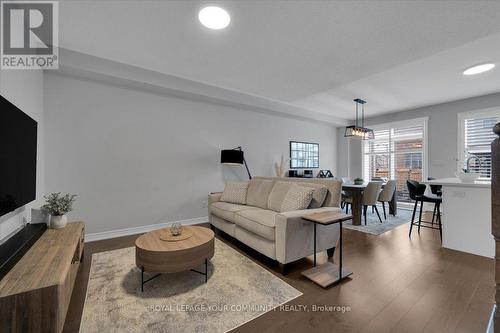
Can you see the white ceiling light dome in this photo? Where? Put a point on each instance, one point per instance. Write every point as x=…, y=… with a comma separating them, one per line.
x=214, y=17
x=479, y=69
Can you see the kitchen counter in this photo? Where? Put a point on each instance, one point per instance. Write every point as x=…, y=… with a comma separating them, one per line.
x=458, y=182
x=466, y=219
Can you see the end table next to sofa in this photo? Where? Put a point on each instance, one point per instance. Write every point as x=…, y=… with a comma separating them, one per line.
x=328, y=273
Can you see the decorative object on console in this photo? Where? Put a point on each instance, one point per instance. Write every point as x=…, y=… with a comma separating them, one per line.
x=308, y=174
x=358, y=130
x=304, y=155
x=280, y=168
x=325, y=174
x=57, y=206
x=358, y=181
x=234, y=156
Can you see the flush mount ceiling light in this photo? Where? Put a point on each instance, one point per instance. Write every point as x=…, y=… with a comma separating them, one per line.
x=358, y=130
x=214, y=17
x=478, y=69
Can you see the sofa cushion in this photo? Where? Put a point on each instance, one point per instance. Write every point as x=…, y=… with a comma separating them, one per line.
x=280, y=189
x=261, y=244
x=297, y=198
x=226, y=210
x=258, y=192
x=334, y=187
x=258, y=221
x=235, y=192
x=319, y=194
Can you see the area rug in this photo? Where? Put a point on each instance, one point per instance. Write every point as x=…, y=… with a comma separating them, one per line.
x=238, y=290
x=373, y=225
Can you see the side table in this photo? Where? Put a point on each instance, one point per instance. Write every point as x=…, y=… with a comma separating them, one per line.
x=328, y=273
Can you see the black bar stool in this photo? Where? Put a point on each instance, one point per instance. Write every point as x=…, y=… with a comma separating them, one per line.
x=437, y=190
x=416, y=191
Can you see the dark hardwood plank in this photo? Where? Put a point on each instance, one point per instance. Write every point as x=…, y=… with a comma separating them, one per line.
x=399, y=284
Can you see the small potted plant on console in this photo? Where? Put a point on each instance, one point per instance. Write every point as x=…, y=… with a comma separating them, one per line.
x=57, y=206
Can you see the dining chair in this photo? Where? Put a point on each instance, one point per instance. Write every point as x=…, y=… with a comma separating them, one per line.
x=386, y=195
x=347, y=181
x=370, y=196
x=345, y=195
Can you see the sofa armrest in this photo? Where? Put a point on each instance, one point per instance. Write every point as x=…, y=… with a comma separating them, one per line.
x=214, y=197
x=294, y=235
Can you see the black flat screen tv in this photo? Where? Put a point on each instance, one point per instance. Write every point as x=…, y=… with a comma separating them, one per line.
x=18, y=139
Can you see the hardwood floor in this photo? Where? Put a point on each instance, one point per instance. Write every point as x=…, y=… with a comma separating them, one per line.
x=399, y=285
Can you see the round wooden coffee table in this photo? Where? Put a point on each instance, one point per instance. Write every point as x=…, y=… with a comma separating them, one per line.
x=158, y=256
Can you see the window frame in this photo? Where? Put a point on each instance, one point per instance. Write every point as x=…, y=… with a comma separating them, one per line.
x=307, y=143
x=461, y=117
x=422, y=121
x=404, y=123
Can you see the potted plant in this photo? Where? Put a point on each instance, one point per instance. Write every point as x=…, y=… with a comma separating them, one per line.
x=57, y=206
x=358, y=181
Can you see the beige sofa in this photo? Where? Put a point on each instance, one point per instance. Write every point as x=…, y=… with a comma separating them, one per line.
x=284, y=237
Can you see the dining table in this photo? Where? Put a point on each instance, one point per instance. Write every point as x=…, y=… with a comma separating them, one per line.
x=356, y=193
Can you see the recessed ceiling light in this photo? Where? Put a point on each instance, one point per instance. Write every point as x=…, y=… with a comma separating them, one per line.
x=478, y=69
x=214, y=17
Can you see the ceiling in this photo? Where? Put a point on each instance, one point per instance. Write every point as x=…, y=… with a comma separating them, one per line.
x=316, y=55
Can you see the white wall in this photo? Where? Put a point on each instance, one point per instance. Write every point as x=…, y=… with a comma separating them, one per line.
x=24, y=88
x=136, y=158
x=442, y=134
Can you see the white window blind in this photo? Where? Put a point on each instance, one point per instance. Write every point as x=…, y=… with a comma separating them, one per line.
x=478, y=135
x=397, y=152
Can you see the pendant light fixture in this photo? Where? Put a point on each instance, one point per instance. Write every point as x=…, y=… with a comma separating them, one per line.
x=358, y=130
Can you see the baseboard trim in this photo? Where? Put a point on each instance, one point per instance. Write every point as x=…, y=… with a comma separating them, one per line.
x=139, y=230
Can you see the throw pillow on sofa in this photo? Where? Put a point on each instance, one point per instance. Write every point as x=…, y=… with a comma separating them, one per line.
x=235, y=192
x=319, y=194
x=280, y=189
x=297, y=198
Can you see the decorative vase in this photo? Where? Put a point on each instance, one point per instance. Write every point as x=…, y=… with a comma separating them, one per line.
x=358, y=181
x=279, y=168
x=58, y=221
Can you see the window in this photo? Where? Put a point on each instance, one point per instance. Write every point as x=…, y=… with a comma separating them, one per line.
x=304, y=155
x=475, y=137
x=397, y=152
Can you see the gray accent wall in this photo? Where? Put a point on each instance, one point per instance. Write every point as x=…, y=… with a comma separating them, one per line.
x=137, y=158
x=442, y=135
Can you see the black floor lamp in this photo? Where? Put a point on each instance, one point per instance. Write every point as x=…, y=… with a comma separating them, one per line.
x=234, y=156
